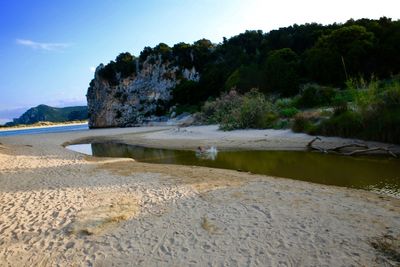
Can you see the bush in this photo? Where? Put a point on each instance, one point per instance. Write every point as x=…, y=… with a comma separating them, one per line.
x=289, y=112
x=215, y=110
x=313, y=95
x=282, y=103
x=234, y=111
x=281, y=124
x=346, y=124
x=186, y=109
x=256, y=111
x=302, y=123
x=374, y=115
x=186, y=93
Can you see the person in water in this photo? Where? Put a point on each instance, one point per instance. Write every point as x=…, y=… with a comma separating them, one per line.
x=201, y=149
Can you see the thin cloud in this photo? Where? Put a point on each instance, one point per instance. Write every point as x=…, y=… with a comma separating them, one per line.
x=42, y=46
x=92, y=69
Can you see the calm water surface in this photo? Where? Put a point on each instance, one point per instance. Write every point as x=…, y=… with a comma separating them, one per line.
x=41, y=130
x=378, y=174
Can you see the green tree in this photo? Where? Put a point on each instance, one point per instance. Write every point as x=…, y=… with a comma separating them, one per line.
x=125, y=64
x=244, y=78
x=281, y=72
x=343, y=53
x=164, y=50
x=183, y=54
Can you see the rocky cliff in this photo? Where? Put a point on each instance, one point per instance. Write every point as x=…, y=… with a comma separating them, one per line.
x=129, y=99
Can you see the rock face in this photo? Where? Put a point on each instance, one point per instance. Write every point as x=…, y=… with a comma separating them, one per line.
x=136, y=97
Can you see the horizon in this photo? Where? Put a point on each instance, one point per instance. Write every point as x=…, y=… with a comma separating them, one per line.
x=49, y=50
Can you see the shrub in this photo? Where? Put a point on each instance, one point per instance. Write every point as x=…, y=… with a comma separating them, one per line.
x=382, y=124
x=214, y=111
x=186, y=108
x=109, y=74
x=234, y=111
x=282, y=103
x=374, y=115
x=289, y=112
x=301, y=123
x=346, y=124
x=256, y=111
x=186, y=93
x=313, y=95
x=281, y=124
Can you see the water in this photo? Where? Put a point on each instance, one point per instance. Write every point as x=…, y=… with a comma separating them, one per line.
x=41, y=130
x=378, y=174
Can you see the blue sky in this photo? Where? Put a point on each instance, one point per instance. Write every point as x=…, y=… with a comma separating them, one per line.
x=48, y=49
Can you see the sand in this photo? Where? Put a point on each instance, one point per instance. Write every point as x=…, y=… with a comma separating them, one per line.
x=59, y=207
x=34, y=126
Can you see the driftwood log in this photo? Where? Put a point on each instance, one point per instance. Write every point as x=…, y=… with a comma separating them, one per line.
x=339, y=149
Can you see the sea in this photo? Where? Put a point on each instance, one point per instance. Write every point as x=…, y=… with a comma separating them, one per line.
x=42, y=130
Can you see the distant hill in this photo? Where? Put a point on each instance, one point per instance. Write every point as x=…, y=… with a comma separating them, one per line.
x=52, y=114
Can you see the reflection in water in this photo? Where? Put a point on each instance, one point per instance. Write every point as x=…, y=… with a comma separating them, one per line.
x=371, y=173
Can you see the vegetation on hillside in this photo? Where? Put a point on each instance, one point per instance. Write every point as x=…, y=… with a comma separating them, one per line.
x=51, y=114
x=336, y=79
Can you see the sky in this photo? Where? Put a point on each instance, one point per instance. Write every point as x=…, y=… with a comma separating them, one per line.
x=49, y=49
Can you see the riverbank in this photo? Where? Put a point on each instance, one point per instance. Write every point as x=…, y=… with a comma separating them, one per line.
x=190, y=138
x=42, y=124
x=62, y=207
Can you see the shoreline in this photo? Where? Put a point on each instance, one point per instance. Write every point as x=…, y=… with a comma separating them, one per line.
x=27, y=127
x=62, y=207
x=189, y=138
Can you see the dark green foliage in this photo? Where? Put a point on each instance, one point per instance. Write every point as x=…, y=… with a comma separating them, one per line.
x=51, y=114
x=187, y=92
x=343, y=53
x=297, y=37
x=124, y=65
x=346, y=124
x=164, y=50
x=313, y=95
x=78, y=115
x=300, y=124
x=147, y=51
x=288, y=112
x=375, y=117
x=304, y=122
x=244, y=78
x=282, y=103
x=183, y=54
x=235, y=111
x=280, y=60
x=282, y=72
x=215, y=110
x=186, y=108
x=108, y=73
x=202, y=53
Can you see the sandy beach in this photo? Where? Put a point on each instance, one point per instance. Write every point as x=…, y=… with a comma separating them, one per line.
x=62, y=208
x=51, y=125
